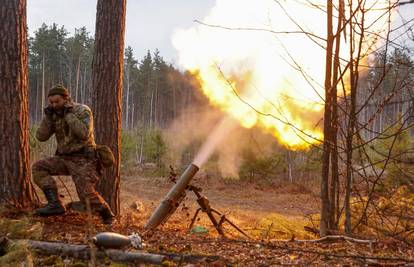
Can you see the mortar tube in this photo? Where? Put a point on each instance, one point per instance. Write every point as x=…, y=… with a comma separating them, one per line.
x=169, y=203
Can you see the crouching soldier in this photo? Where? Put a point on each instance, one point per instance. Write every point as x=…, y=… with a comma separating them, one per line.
x=72, y=124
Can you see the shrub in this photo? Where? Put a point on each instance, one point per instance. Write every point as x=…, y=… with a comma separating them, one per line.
x=266, y=167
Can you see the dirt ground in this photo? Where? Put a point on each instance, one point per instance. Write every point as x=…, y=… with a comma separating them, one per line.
x=229, y=196
x=271, y=214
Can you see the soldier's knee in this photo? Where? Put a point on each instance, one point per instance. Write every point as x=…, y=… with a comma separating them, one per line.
x=39, y=173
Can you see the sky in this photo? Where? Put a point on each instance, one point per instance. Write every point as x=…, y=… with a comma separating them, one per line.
x=150, y=24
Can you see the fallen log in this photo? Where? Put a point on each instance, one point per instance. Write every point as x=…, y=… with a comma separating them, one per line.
x=190, y=258
x=338, y=238
x=83, y=252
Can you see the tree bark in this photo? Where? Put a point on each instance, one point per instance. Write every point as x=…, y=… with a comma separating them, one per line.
x=83, y=252
x=334, y=186
x=107, y=77
x=77, y=79
x=127, y=98
x=151, y=104
x=43, y=84
x=324, y=222
x=352, y=120
x=15, y=184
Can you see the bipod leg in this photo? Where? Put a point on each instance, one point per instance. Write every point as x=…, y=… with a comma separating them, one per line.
x=224, y=219
x=194, y=218
x=214, y=221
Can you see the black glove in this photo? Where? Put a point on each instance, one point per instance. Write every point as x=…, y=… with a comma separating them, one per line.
x=67, y=110
x=49, y=111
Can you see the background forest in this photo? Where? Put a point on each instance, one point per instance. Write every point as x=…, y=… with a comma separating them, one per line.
x=156, y=93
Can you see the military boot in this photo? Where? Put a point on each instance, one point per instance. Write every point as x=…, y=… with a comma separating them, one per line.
x=106, y=214
x=54, y=206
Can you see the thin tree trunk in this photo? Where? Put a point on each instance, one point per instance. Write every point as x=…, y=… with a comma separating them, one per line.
x=15, y=185
x=141, y=147
x=174, y=102
x=132, y=116
x=107, y=77
x=43, y=83
x=38, y=96
x=127, y=100
x=84, y=79
x=289, y=160
x=325, y=205
x=151, y=108
x=354, y=76
x=155, y=105
x=77, y=80
x=334, y=186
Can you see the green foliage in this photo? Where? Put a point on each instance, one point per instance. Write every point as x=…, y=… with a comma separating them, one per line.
x=114, y=264
x=311, y=160
x=154, y=146
x=17, y=254
x=53, y=260
x=148, y=142
x=129, y=143
x=396, y=145
x=276, y=165
x=20, y=229
x=254, y=167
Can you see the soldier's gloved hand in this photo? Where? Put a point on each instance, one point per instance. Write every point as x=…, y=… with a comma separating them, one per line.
x=49, y=111
x=67, y=110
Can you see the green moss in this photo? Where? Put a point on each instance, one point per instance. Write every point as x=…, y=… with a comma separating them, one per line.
x=17, y=254
x=20, y=229
x=114, y=264
x=53, y=260
x=79, y=264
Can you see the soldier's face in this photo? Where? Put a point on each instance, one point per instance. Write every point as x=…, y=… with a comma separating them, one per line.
x=57, y=102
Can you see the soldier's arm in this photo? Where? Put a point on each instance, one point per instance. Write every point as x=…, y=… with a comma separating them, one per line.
x=79, y=123
x=45, y=130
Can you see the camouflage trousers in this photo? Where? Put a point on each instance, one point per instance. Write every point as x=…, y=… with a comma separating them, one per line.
x=83, y=171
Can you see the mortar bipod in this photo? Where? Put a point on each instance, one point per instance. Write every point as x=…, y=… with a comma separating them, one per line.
x=205, y=206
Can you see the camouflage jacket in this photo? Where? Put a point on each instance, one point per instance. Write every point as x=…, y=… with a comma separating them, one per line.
x=73, y=132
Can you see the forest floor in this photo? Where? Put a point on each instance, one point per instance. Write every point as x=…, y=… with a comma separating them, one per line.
x=273, y=215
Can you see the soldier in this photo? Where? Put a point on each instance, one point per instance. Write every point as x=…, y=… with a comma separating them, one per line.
x=72, y=124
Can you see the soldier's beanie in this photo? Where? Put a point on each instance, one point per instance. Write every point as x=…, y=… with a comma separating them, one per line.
x=58, y=90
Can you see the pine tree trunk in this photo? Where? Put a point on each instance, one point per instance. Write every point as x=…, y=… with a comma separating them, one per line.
x=151, y=108
x=174, y=104
x=77, y=80
x=43, y=83
x=84, y=82
x=289, y=162
x=132, y=116
x=155, y=106
x=127, y=100
x=107, y=77
x=15, y=185
x=70, y=78
x=38, y=95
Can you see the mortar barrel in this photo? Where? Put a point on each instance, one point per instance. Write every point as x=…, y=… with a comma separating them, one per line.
x=170, y=203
